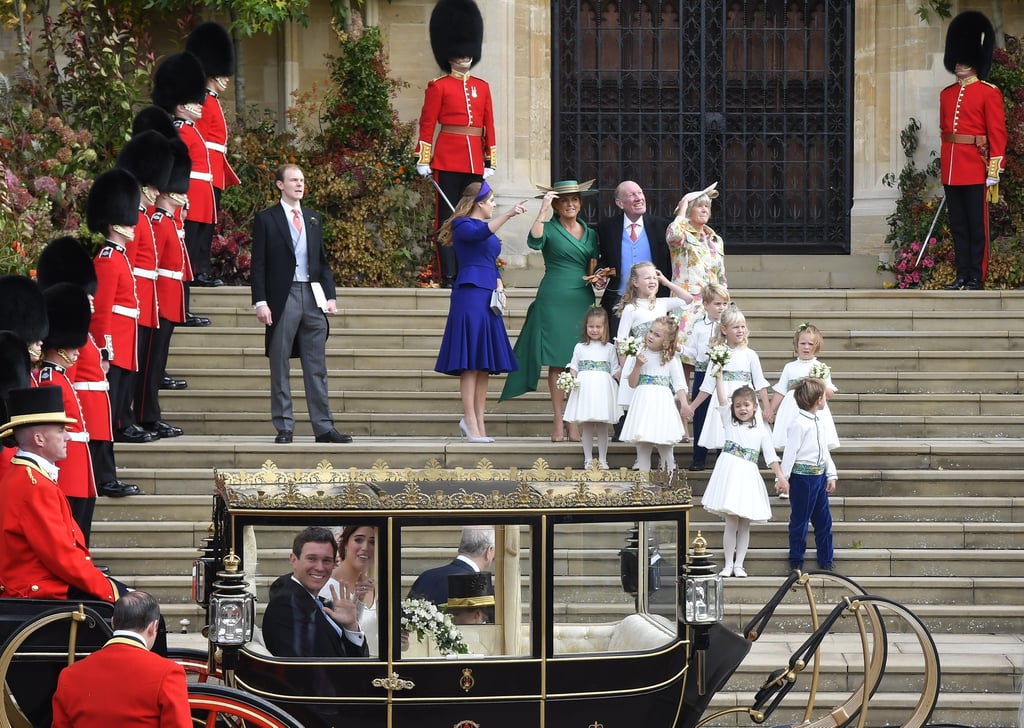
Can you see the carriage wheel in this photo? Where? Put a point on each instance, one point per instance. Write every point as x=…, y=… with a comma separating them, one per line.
x=196, y=664
x=217, y=706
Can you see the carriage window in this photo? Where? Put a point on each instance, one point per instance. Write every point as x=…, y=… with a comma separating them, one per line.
x=490, y=608
x=614, y=586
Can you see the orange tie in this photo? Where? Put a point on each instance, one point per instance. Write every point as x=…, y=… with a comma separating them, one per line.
x=297, y=221
x=632, y=231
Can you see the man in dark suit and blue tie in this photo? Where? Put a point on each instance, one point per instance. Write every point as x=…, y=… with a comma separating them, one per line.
x=292, y=291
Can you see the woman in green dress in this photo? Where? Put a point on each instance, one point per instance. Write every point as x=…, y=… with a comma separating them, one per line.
x=553, y=321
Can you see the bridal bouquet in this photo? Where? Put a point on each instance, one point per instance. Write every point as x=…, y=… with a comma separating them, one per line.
x=566, y=382
x=628, y=345
x=820, y=370
x=422, y=617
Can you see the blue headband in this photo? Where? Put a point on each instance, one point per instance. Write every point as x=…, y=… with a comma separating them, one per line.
x=485, y=191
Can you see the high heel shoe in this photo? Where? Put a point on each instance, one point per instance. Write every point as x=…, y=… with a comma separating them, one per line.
x=463, y=429
x=469, y=438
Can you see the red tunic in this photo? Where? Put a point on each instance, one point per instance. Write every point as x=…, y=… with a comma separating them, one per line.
x=115, y=318
x=974, y=108
x=214, y=129
x=91, y=385
x=457, y=100
x=42, y=551
x=75, y=477
x=173, y=267
x=200, y=189
x=142, y=256
x=123, y=684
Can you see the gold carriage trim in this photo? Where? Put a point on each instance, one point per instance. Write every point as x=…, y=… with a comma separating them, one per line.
x=435, y=488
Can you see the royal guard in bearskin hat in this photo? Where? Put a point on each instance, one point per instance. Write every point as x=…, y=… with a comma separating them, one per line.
x=15, y=373
x=65, y=260
x=457, y=108
x=113, y=210
x=67, y=306
x=973, y=126
x=179, y=88
x=211, y=43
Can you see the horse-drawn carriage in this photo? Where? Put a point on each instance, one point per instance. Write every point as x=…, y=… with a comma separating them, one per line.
x=606, y=612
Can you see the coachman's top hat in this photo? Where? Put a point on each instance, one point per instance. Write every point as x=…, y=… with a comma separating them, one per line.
x=456, y=31
x=113, y=200
x=970, y=41
x=211, y=44
x=470, y=591
x=35, y=406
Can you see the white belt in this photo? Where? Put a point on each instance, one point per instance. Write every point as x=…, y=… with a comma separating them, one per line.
x=216, y=147
x=78, y=436
x=175, y=274
x=143, y=273
x=125, y=311
x=204, y=176
x=103, y=386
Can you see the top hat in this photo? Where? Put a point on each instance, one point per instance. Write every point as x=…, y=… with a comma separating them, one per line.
x=22, y=310
x=568, y=187
x=456, y=31
x=212, y=45
x=970, y=40
x=181, y=168
x=156, y=119
x=67, y=306
x=147, y=155
x=65, y=260
x=690, y=197
x=179, y=79
x=470, y=591
x=113, y=200
x=35, y=406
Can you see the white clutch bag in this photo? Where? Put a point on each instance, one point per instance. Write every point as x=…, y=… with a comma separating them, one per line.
x=497, y=306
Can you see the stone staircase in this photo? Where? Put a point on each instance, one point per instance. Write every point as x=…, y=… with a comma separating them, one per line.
x=928, y=510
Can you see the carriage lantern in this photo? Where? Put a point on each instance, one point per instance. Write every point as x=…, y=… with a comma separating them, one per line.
x=232, y=606
x=703, y=605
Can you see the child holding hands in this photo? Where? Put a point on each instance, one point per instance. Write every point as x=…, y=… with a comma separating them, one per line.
x=715, y=298
x=807, y=343
x=808, y=477
x=592, y=403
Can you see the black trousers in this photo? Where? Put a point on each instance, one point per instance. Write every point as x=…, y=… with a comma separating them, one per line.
x=103, y=466
x=968, y=223
x=452, y=184
x=198, y=237
x=152, y=364
x=121, y=389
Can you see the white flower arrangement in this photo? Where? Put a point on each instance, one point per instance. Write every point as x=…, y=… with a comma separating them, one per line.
x=628, y=345
x=567, y=382
x=422, y=617
x=718, y=357
x=820, y=370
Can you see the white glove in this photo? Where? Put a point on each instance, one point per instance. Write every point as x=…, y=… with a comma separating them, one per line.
x=488, y=171
x=989, y=182
x=423, y=170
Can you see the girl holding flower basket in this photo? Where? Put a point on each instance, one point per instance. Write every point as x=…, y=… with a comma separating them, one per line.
x=739, y=364
x=589, y=380
x=807, y=343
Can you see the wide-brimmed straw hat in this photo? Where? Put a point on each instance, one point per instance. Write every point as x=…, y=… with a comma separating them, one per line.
x=35, y=406
x=568, y=187
x=469, y=591
x=690, y=197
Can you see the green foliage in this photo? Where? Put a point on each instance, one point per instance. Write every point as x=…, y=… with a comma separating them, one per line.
x=941, y=8
x=249, y=16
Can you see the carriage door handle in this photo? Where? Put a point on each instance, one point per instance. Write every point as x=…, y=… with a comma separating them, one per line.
x=393, y=682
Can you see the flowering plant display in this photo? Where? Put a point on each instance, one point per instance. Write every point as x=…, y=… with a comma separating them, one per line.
x=820, y=370
x=718, y=357
x=422, y=618
x=567, y=382
x=628, y=345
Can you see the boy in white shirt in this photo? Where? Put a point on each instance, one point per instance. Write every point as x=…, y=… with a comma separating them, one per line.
x=809, y=477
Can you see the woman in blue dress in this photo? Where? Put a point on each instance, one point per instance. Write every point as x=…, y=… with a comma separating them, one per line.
x=475, y=343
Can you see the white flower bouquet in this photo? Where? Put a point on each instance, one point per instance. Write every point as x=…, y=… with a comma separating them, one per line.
x=718, y=357
x=422, y=617
x=820, y=370
x=628, y=345
x=566, y=382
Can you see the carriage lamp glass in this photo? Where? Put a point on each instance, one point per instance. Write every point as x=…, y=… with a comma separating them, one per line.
x=232, y=618
x=702, y=587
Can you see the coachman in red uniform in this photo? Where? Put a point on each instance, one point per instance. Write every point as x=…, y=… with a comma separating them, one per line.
x=973, y=126
x=457, y=109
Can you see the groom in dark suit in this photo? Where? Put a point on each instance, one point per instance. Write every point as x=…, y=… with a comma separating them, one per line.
x=297, y=623
x=292, y=290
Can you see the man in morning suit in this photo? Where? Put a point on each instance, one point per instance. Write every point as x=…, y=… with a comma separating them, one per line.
x=150, y=690
x=289, y=273
x=297, y=623
x=476, y=554
x=634, y=236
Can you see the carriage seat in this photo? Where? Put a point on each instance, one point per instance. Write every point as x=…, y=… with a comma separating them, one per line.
x=635, y=633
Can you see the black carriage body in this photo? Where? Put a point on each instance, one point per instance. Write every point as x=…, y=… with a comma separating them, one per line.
x=561, y=659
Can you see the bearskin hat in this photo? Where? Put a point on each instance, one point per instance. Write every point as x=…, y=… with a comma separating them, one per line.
x=456, y=31
x=970, y=40
x=65, y=260
x=179, y=79
x=147, y=155
x=181, y=168
x=22, y=309
x=15, y=368
x=113, y=200
x=67, y=307
x=156, y=119
x=212, y=45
